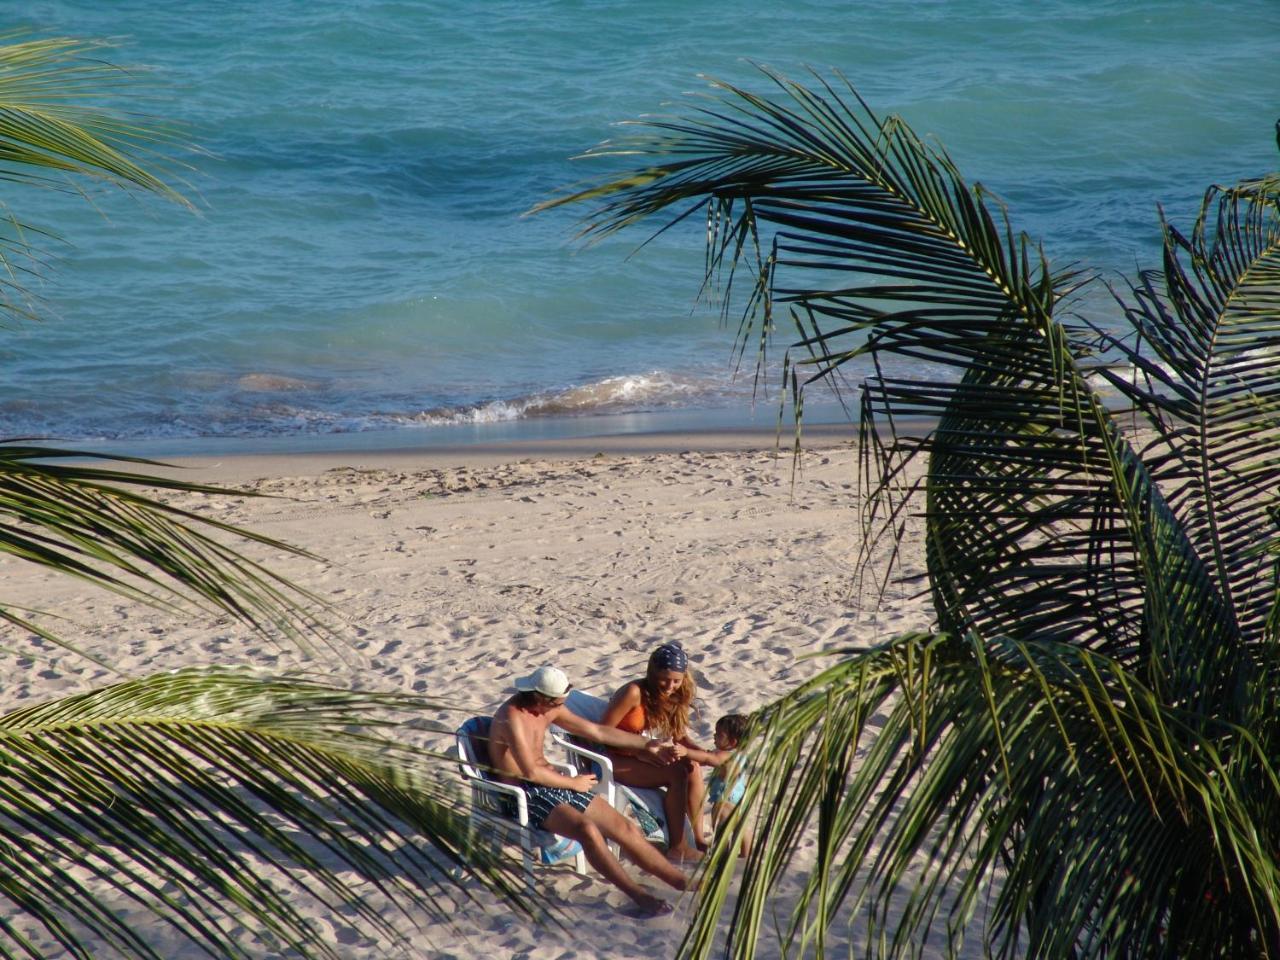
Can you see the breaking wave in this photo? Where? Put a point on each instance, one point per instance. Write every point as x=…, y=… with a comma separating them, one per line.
x=271, y=405
x=623, y=394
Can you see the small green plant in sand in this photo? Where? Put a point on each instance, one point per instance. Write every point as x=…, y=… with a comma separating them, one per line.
x=1081, y=760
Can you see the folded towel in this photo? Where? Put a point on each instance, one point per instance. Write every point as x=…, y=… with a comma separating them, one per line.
x=562, y=849
x=649, y=824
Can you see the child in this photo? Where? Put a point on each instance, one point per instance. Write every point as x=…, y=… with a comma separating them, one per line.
x=726, y=786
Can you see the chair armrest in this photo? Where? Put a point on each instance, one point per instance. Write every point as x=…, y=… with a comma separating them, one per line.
x=505, y=789
x=605, y=784
x=605, y=761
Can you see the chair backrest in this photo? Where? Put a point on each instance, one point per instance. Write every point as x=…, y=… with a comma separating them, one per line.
x=589, y=708
x=473, y=744
x=586, y=706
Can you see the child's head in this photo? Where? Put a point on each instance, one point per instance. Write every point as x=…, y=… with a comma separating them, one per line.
x=730, y=730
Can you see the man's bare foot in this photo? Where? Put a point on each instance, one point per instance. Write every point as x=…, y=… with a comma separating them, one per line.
x=691, y=884
x=648, y=907
x=683, y=854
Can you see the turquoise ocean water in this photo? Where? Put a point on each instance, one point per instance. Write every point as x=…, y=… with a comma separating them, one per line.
x=360, y=272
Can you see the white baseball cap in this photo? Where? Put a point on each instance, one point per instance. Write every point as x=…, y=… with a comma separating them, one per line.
x=548, y=681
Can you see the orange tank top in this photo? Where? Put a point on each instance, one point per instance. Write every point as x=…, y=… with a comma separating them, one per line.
x=634, y=721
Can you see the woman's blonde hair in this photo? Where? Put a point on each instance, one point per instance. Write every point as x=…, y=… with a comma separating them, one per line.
x=667, y=718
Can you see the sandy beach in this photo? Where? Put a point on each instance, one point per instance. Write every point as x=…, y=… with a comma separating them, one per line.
x=453, y=571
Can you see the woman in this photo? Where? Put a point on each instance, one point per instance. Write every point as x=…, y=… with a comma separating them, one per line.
x=660, y=703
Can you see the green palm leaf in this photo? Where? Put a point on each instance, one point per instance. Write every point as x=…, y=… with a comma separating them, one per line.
x=1206, y=340
x=83, y=520
x=1028, y=466
x=189, y=806
x=1089, y=771
x=210, y=798
x=1007, y=783
x=53, y=104
x=55, y=124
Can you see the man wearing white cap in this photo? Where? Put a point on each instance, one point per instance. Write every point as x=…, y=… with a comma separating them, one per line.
x=565, y=805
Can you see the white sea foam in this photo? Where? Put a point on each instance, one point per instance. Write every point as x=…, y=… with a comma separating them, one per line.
x=630, y=393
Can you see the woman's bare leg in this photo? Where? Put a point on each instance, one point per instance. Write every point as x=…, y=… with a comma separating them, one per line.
x=697, y=796
x=634, y=772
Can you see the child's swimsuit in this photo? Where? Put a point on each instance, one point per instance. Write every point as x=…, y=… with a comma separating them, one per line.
x=717, y=792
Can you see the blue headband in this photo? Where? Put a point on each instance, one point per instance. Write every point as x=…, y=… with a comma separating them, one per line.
x=670, y=656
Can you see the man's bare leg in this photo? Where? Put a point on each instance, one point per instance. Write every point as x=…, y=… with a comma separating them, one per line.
x=568, y=822
x=640, y=851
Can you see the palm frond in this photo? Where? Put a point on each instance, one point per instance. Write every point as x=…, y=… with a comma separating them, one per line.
x=1004, y=779
x=207, y=799
x=1085, y=755
x=1205, y=345
x=56, y=509
x=55, y=116
x=61, y=511
x=1034, y=484
x=56, y=123
x=846, y=193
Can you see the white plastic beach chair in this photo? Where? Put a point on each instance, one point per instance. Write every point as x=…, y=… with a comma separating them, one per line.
x=643, y=804
x=488, y=813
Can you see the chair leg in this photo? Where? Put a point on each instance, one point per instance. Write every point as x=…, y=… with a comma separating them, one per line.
x=458, y=872
x=526, y=852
